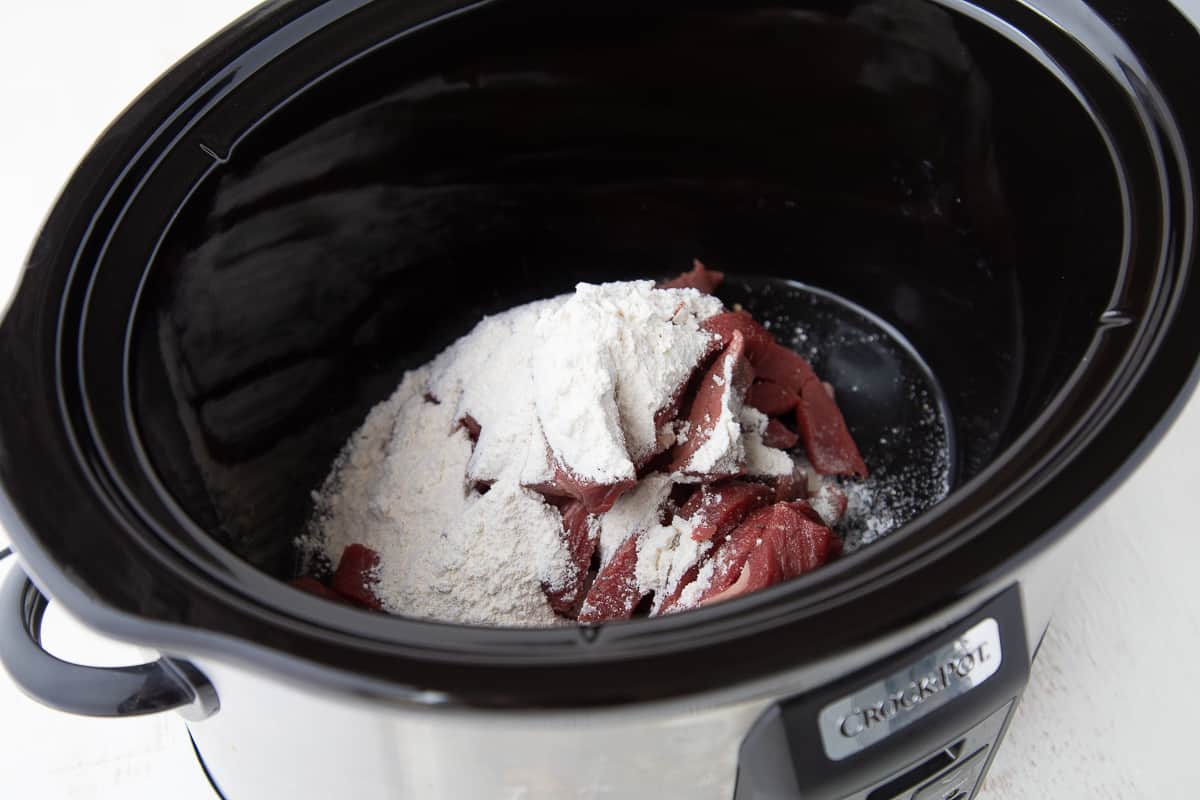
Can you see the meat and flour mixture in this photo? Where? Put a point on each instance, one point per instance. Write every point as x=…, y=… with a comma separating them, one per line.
x=625, y=449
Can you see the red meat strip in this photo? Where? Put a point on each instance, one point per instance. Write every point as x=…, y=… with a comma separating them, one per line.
x=758, y=339
x=716, y=510
x=710, y=397
x=580, y=544
x=669, y=413
x=772, y=545
x=771, y=361
x=730, y=555
x=595, y=497
x=830, y=446
x=770, y=398
x=615, y=593
x=827, y=440
x=783, y=367
x=700, y=278
x=311, y=585
x=356, y=574
x=718, y=507
x=671, y=602
x=780, y=436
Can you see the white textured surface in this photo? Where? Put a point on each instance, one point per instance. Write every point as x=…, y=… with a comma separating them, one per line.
x=1108, y=714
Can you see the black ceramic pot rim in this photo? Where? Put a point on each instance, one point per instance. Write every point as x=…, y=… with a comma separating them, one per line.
x=1001, y=517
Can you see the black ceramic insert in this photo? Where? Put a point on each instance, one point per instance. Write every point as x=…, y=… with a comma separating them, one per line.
x=891, y=154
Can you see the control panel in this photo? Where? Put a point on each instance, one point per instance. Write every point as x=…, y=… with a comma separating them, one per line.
x=922, y=725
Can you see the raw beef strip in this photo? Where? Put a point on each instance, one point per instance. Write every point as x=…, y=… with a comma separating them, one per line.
x=596, y=497
x=758, y=340
x=771, y=398
x=728, y=557
x=772, y=545
x=827, y=441
x=732, y=523
x=780, y=436
x=717, y=508
x=669, y=413
x=701, y=278
x=581, y=544
x=830, y=447
x=771, y=361
x=783, y=367
x=615, y=592
x=356, y=574
x=710, y=399
x=671, y=602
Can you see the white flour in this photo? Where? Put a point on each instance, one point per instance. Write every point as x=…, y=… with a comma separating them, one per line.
x=608, y=360
x=487, y=375
x=665, y=554
x=692, y=593
x=447, y=552
x=637, y=510
x=761, y=461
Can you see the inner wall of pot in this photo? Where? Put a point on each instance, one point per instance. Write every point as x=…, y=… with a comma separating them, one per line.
x=893, y=153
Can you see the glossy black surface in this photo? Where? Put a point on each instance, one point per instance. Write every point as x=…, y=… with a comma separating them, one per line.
x=1031, y=235
x=92, y=691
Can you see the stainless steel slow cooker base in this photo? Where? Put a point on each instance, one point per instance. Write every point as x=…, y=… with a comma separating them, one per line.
x=742, y=742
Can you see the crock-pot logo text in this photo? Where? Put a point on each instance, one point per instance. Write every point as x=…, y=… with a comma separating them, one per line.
x=951, y=672
x=876, y=711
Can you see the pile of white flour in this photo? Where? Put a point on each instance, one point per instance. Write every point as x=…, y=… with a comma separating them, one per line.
x=572, y=383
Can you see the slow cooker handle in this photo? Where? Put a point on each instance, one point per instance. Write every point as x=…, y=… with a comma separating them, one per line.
x=163, y=685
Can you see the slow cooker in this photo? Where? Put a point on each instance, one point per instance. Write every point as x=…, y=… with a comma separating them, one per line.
x=327, y=193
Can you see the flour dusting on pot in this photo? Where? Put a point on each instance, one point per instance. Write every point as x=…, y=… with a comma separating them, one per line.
x=625, y=449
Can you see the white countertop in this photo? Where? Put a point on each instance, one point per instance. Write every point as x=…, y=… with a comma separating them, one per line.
x=1109, y=712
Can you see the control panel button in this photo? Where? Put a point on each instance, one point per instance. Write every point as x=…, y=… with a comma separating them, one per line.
x=957, y=783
